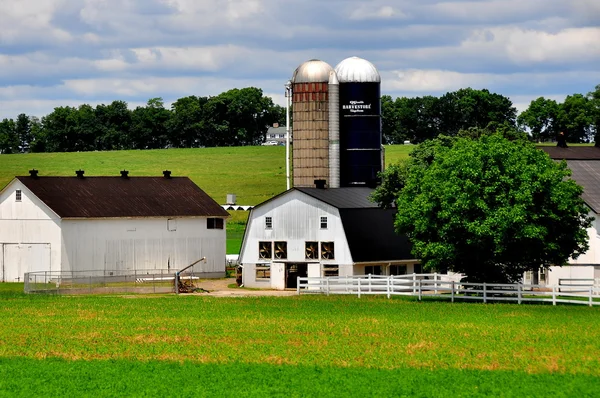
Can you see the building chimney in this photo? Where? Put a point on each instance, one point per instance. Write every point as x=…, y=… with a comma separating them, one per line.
x=167, y=173
x=320, y=184
x=124, y=174
x=33, y=173
x=275, y=125
x=79, y=173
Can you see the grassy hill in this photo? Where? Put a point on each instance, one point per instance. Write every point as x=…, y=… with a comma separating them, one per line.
x=253, y=173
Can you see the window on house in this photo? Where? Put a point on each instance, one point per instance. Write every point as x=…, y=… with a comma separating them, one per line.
x=268, y=222
x=214, y=223
x=323, y=222
x=263, y=271
x=331, y=270
x=18, y=195
x=373, y=270
x=397, y=269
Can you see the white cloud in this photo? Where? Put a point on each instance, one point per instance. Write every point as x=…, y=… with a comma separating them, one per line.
x=369, y=11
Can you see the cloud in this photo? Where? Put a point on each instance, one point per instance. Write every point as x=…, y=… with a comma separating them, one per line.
x=368, y=11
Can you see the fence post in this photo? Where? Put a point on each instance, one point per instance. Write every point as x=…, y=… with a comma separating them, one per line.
x=414, y=282
x=388, y=285
x=435, y=284
x=553, y=295
x=298, y=285
x=420, y=294
x=358, y=287
x=327, y=286
x=484, y=293
x=591, y=291
x=519, y=293
x=452, y=292
x=369, y=283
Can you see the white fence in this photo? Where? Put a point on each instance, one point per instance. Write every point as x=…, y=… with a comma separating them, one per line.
x=450, y=287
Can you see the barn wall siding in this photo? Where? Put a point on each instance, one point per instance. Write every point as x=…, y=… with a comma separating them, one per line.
x=141, y=244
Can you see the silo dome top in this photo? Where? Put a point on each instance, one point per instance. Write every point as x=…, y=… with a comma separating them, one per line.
x=357, y=70
x=313, y=71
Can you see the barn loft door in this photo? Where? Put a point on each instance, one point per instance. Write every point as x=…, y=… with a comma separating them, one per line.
x=25, y=257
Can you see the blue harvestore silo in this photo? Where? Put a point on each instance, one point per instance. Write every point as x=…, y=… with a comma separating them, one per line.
x=359, y=121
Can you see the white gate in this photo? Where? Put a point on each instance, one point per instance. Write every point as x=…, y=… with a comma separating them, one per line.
x=17, y=259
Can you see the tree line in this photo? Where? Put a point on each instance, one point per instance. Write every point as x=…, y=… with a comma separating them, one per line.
x=419, y=119
x=233, y=118
x=242, y=116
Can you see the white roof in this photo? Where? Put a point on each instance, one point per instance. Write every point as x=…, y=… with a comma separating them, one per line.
x=313, y=71
x=357, y=70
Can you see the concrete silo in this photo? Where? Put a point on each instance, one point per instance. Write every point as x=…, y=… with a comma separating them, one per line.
x=310, y=98
x=360, y=121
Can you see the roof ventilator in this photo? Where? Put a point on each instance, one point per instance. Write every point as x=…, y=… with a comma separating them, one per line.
x=167, y=173
x=79, y=173
x=320, y=184
x=33, y=173
x=124, y=174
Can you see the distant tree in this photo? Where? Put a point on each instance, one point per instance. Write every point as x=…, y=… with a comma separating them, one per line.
x=9, y=140
x=541, y=117
x=114, y=124
x=576, y=118
x=490, y=208
x=390, y=127
x=149, y=126
x=187, y=125
x=60, y=129
x=23, y=132
x=594, y=97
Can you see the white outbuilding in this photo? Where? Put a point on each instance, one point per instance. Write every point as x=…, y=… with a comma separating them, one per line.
x=109, y=224
x=319, y=232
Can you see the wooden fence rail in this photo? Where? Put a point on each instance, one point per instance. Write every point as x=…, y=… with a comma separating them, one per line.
x=447, y=286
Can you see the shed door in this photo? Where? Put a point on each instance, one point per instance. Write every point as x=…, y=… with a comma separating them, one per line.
x=25, y=257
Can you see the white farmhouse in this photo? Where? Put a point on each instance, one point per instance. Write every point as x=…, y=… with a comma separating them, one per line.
x=108, y=224
x=321, y=232
x=584, y=163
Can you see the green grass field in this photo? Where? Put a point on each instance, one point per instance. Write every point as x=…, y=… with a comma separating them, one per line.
x=292, y=346
x=253, y=173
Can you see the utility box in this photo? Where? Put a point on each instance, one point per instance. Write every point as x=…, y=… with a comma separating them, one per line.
x=231, y=198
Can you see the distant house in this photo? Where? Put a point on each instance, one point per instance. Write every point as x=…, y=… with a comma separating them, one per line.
x=321, y=232
x=108, y=223
x=584, y=163
x=276, y=134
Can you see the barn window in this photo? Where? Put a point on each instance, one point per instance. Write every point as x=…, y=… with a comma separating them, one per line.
x=280, y=250
x=373, y=270
x=324, y=222
x=268, y=222
x=311, y=250
x=331, y=270
x=263, y=271
x=397, y=269
x=265, y=250
x=327, y=251
x=18, y=195
x=214, y=223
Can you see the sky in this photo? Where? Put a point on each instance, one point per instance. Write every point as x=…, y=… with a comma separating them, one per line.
x=72, y=52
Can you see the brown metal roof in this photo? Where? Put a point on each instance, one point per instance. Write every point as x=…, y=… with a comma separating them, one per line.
x=572, y=153
x=108, y=197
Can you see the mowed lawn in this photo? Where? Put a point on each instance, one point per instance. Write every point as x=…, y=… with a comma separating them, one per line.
x=169, y=345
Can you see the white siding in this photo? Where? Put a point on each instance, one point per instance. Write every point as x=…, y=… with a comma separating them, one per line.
x=296, y=219
x=592, y=256
x=142, y=244
x=28, y=222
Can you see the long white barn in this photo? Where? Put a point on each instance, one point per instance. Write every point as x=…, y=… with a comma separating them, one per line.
x=109, y=224
x=321, y=232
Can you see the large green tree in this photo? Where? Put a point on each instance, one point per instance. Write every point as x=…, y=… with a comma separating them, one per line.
x=541, y=117
x=490, y=208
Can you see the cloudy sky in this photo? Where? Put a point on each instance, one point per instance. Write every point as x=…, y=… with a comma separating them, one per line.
x=70, y=52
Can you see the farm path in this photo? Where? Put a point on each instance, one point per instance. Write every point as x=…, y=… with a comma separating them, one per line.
x=219, y=288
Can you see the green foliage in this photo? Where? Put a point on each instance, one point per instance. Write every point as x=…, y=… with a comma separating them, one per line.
x=491, y=208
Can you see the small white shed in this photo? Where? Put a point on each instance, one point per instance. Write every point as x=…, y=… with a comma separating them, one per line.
x=109, y=224
x=321, y=232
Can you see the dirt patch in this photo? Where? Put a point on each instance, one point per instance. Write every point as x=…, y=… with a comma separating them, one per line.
x=219, y=288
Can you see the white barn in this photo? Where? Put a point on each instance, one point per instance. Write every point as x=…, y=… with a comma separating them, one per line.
x=321, y=232
x=584, y=163
x=109, y=224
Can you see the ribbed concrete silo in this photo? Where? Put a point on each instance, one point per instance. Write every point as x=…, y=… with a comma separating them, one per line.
x=310, y=124
x=360, y=121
